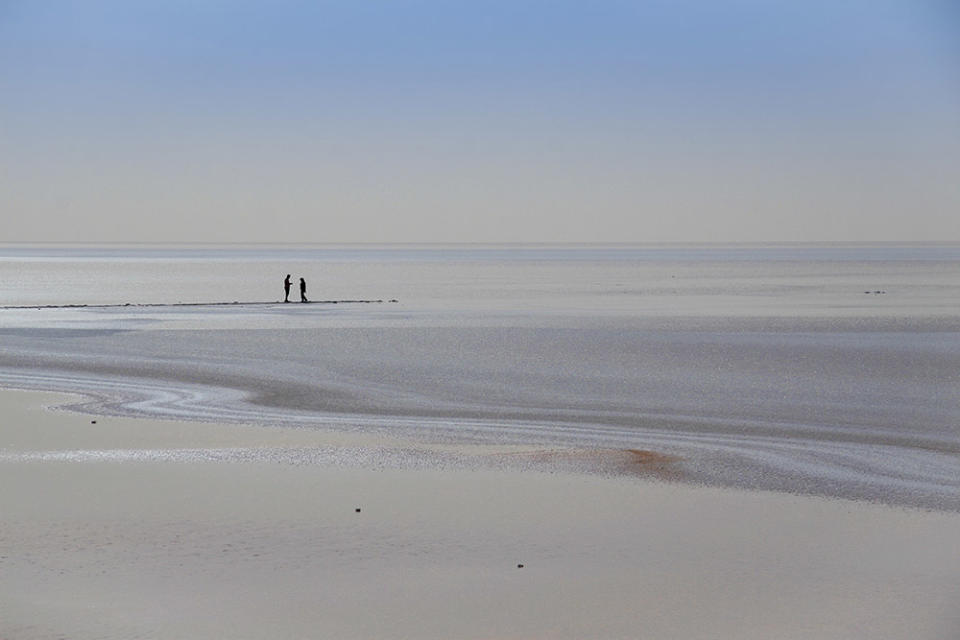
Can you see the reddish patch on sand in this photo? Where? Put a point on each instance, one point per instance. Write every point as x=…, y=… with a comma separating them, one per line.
x=605, y=461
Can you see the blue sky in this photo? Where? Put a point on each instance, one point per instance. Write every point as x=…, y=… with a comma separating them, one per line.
x=485, y=121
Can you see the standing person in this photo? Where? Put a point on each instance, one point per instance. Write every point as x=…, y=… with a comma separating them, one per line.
x=303, y=290
x=286, y=288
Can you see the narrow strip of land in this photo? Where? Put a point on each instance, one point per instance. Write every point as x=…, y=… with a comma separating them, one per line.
x=185, y=304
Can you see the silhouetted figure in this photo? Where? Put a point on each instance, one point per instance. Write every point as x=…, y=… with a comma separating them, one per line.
x=303, y=290
x=286, y=288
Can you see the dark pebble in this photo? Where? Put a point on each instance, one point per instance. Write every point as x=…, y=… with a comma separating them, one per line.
x=519, y=566
x=93, y=422
x=358, y=509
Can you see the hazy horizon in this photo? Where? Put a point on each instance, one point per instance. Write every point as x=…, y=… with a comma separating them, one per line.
x=523, y=122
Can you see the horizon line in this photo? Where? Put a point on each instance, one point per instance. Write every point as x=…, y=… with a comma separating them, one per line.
x=520, y=243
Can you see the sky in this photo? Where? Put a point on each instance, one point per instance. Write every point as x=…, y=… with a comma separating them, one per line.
x=481, y=121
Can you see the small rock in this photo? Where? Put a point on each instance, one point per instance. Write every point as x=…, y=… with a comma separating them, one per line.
x=519, y=566
x=93, y=422
x=358, y=509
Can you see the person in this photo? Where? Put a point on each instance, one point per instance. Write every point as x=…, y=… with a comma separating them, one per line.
x=286, y=288
x=303, y=290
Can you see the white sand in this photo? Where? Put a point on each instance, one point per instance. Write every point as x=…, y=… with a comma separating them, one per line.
x=127, y=529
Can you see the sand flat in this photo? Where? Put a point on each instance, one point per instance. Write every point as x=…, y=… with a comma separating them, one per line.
x=125, y=547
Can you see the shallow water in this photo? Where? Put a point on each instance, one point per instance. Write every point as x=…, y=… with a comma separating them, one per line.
x=830, y=370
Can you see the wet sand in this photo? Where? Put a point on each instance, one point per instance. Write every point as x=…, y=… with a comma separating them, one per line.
x=865, y=414
x=137, y=528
